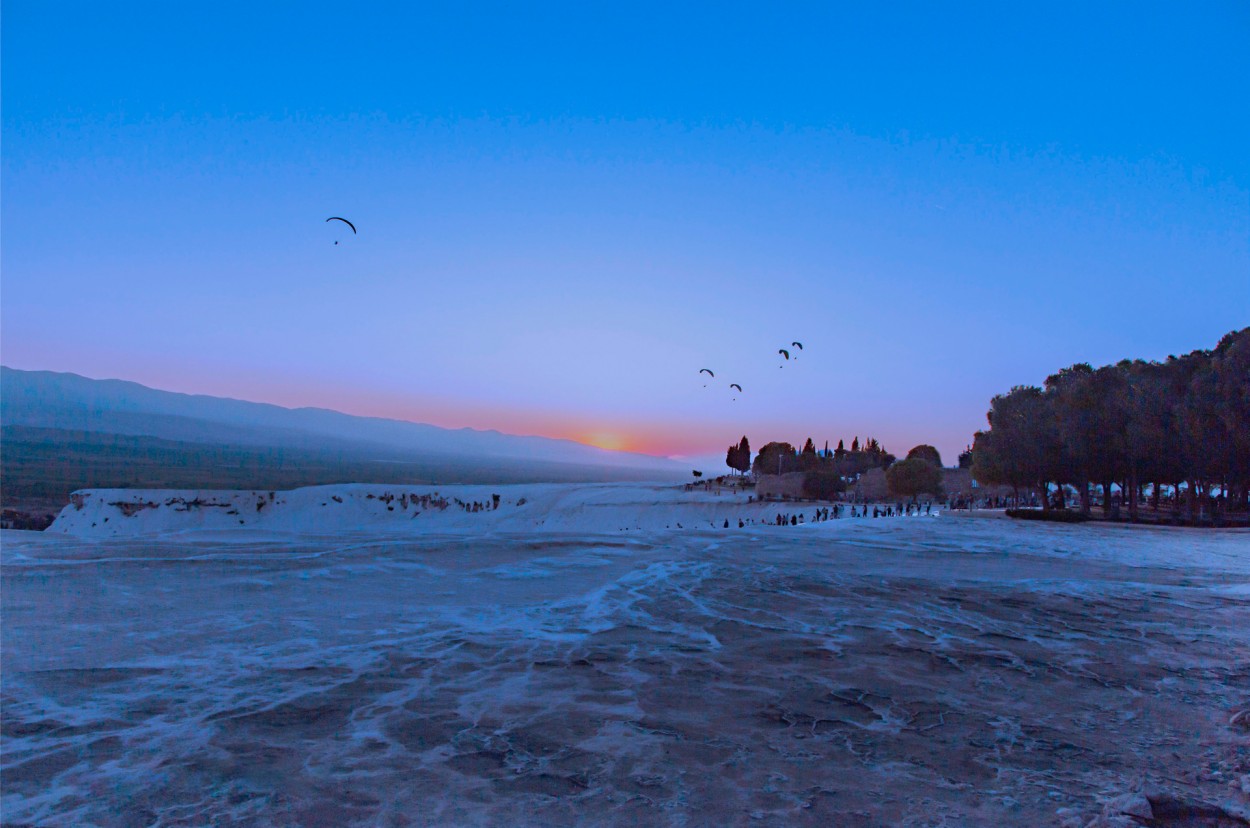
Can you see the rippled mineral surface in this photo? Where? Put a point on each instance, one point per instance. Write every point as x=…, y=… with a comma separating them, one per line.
x=909, y=672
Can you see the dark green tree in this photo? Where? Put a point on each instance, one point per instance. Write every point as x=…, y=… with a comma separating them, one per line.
x=925, y=452
x=823, y=485
x=1091, y=415
x=1020, y=448
x=1209, y=444
x=1183, y=423
x=1151, y=441
x=908, y=478
x=743, y=455
x=1231, y=388
x=809, y=458
x=776, y=458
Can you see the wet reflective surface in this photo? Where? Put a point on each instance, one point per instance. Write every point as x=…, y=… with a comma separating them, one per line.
x=916, y=672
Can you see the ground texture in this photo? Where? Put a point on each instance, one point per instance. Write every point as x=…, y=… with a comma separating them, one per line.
x=916, y=671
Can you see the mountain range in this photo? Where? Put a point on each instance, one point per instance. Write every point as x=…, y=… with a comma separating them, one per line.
x=63, y=431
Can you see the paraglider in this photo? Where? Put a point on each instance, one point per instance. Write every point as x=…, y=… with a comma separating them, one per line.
x=345, y=221
x=785, y=354
x=707, y=371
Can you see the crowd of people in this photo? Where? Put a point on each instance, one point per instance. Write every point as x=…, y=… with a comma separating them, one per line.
x=837, y=511
x=962, y=503
x=428, y=501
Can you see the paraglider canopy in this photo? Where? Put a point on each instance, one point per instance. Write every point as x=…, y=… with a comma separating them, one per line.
x=735, y=385
x=345, y=221
x=784, y=352
x=798, y=345
x=706, y=371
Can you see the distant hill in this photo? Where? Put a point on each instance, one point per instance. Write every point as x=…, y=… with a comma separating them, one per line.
x=63, y=431
x=46, y=399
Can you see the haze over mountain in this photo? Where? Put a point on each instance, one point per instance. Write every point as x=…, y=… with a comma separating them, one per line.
x=46, y=399
x=63, y=432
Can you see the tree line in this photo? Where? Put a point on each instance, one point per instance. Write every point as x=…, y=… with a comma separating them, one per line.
x=784, y=458
x=827, y=472
x=1181, y=427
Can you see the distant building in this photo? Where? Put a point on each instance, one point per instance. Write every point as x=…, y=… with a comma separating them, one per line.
x=779, y=486
x=871, y=486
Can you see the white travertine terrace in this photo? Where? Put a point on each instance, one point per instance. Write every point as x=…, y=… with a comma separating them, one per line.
x=550, y=663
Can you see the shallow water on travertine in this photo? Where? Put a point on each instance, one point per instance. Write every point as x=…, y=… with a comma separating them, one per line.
x=921, y=672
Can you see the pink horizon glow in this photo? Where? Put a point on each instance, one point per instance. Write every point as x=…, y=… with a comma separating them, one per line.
x=653, y=439
x=676, y=440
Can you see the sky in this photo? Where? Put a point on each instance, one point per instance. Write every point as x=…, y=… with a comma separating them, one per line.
x=565, y=211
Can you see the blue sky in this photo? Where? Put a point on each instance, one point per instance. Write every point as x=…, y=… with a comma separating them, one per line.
x=565, y=211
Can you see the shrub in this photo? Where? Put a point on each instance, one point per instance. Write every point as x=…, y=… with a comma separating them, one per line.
x=823, y=485
x=925, y=452
x=908, y=478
